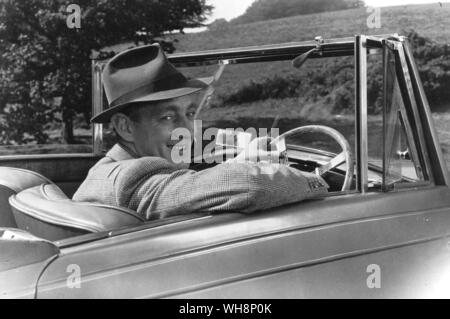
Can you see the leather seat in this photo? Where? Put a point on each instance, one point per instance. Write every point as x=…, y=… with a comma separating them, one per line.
x=46, y=212
x=12, y=181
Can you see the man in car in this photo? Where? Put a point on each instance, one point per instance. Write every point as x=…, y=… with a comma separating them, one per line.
x=148, y=99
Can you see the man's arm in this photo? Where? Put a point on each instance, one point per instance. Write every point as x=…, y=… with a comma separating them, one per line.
x=154, y=189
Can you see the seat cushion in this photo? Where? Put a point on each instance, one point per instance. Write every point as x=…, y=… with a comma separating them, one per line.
x=46, y=212
x=12, y=181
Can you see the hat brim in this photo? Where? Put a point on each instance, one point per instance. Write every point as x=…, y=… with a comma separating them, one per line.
x=190, y=87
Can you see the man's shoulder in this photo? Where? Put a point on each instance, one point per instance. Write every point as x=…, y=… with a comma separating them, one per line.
x=145, y=165
x=132, y=163
x=131, y=168
x=112, y=175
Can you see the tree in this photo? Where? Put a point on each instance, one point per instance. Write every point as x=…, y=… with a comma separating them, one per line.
x=261, y=10
x=45, y=65
x=433, y=61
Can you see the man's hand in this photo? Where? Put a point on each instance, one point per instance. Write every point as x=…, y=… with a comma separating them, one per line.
x=259, y=150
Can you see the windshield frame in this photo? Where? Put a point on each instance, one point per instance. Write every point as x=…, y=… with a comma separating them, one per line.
x=359, y=47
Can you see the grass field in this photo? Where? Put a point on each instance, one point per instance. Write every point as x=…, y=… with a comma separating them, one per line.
x=429, y=20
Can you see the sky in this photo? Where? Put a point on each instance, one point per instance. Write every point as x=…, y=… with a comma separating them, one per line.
x=229, y=9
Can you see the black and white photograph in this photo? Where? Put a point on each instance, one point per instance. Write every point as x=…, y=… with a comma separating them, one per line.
x=237, y=152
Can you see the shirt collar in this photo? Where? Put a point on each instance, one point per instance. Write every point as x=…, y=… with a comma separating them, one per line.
x=120, y=152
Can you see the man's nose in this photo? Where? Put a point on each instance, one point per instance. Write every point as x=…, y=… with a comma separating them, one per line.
x=185, y=122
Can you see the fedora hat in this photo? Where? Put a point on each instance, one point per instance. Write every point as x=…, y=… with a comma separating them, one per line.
x=143, y=74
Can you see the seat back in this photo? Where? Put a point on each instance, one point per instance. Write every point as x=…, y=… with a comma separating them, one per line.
x=12, y=181
x=46, y=212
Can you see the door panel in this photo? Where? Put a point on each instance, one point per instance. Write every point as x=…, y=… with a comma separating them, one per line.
x=413, y=271
x=248, y=252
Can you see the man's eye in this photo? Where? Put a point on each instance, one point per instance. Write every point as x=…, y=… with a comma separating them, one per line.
x=191, y=114
x=167, y=118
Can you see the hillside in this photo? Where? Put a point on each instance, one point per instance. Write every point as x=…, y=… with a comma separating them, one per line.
x=262, y=10
x=428, y=20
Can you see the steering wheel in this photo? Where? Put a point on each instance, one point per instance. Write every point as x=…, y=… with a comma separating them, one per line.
x=345, y=156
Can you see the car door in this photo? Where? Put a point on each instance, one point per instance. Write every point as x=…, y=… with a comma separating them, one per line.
x=322, y=248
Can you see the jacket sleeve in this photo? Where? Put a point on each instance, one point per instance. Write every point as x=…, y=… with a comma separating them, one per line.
x=156, y=190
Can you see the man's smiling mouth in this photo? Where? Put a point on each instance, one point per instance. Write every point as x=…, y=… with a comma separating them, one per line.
x=177, y=148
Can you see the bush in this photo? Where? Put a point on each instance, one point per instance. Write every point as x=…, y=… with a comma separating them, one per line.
x=433, y=60
x=18, y=120
x=332, y=83
x=267, y=88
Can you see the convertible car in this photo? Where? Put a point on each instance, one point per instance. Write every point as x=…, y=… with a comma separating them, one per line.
x=382, y=231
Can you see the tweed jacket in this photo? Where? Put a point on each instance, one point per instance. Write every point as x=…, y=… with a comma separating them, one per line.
x=154, y=188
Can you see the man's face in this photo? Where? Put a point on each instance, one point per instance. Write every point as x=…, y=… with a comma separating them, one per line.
x=152, y=132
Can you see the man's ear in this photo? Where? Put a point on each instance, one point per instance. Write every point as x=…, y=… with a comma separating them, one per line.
x=123, y=126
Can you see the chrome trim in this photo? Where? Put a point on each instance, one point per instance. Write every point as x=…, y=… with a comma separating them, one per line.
x=311, y=150
x=393, y=47
x=385, y=101
x=419, y=138
x=408, y=185
x=361, y=114
x=8, y=158
x=152, y=224
x=97, y=106
x=438, y=165
x=272, y=52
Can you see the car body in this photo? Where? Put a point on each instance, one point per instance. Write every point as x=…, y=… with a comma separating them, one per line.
x=381, y=239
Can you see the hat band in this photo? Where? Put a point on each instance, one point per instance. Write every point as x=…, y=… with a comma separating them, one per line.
x=174, y=81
